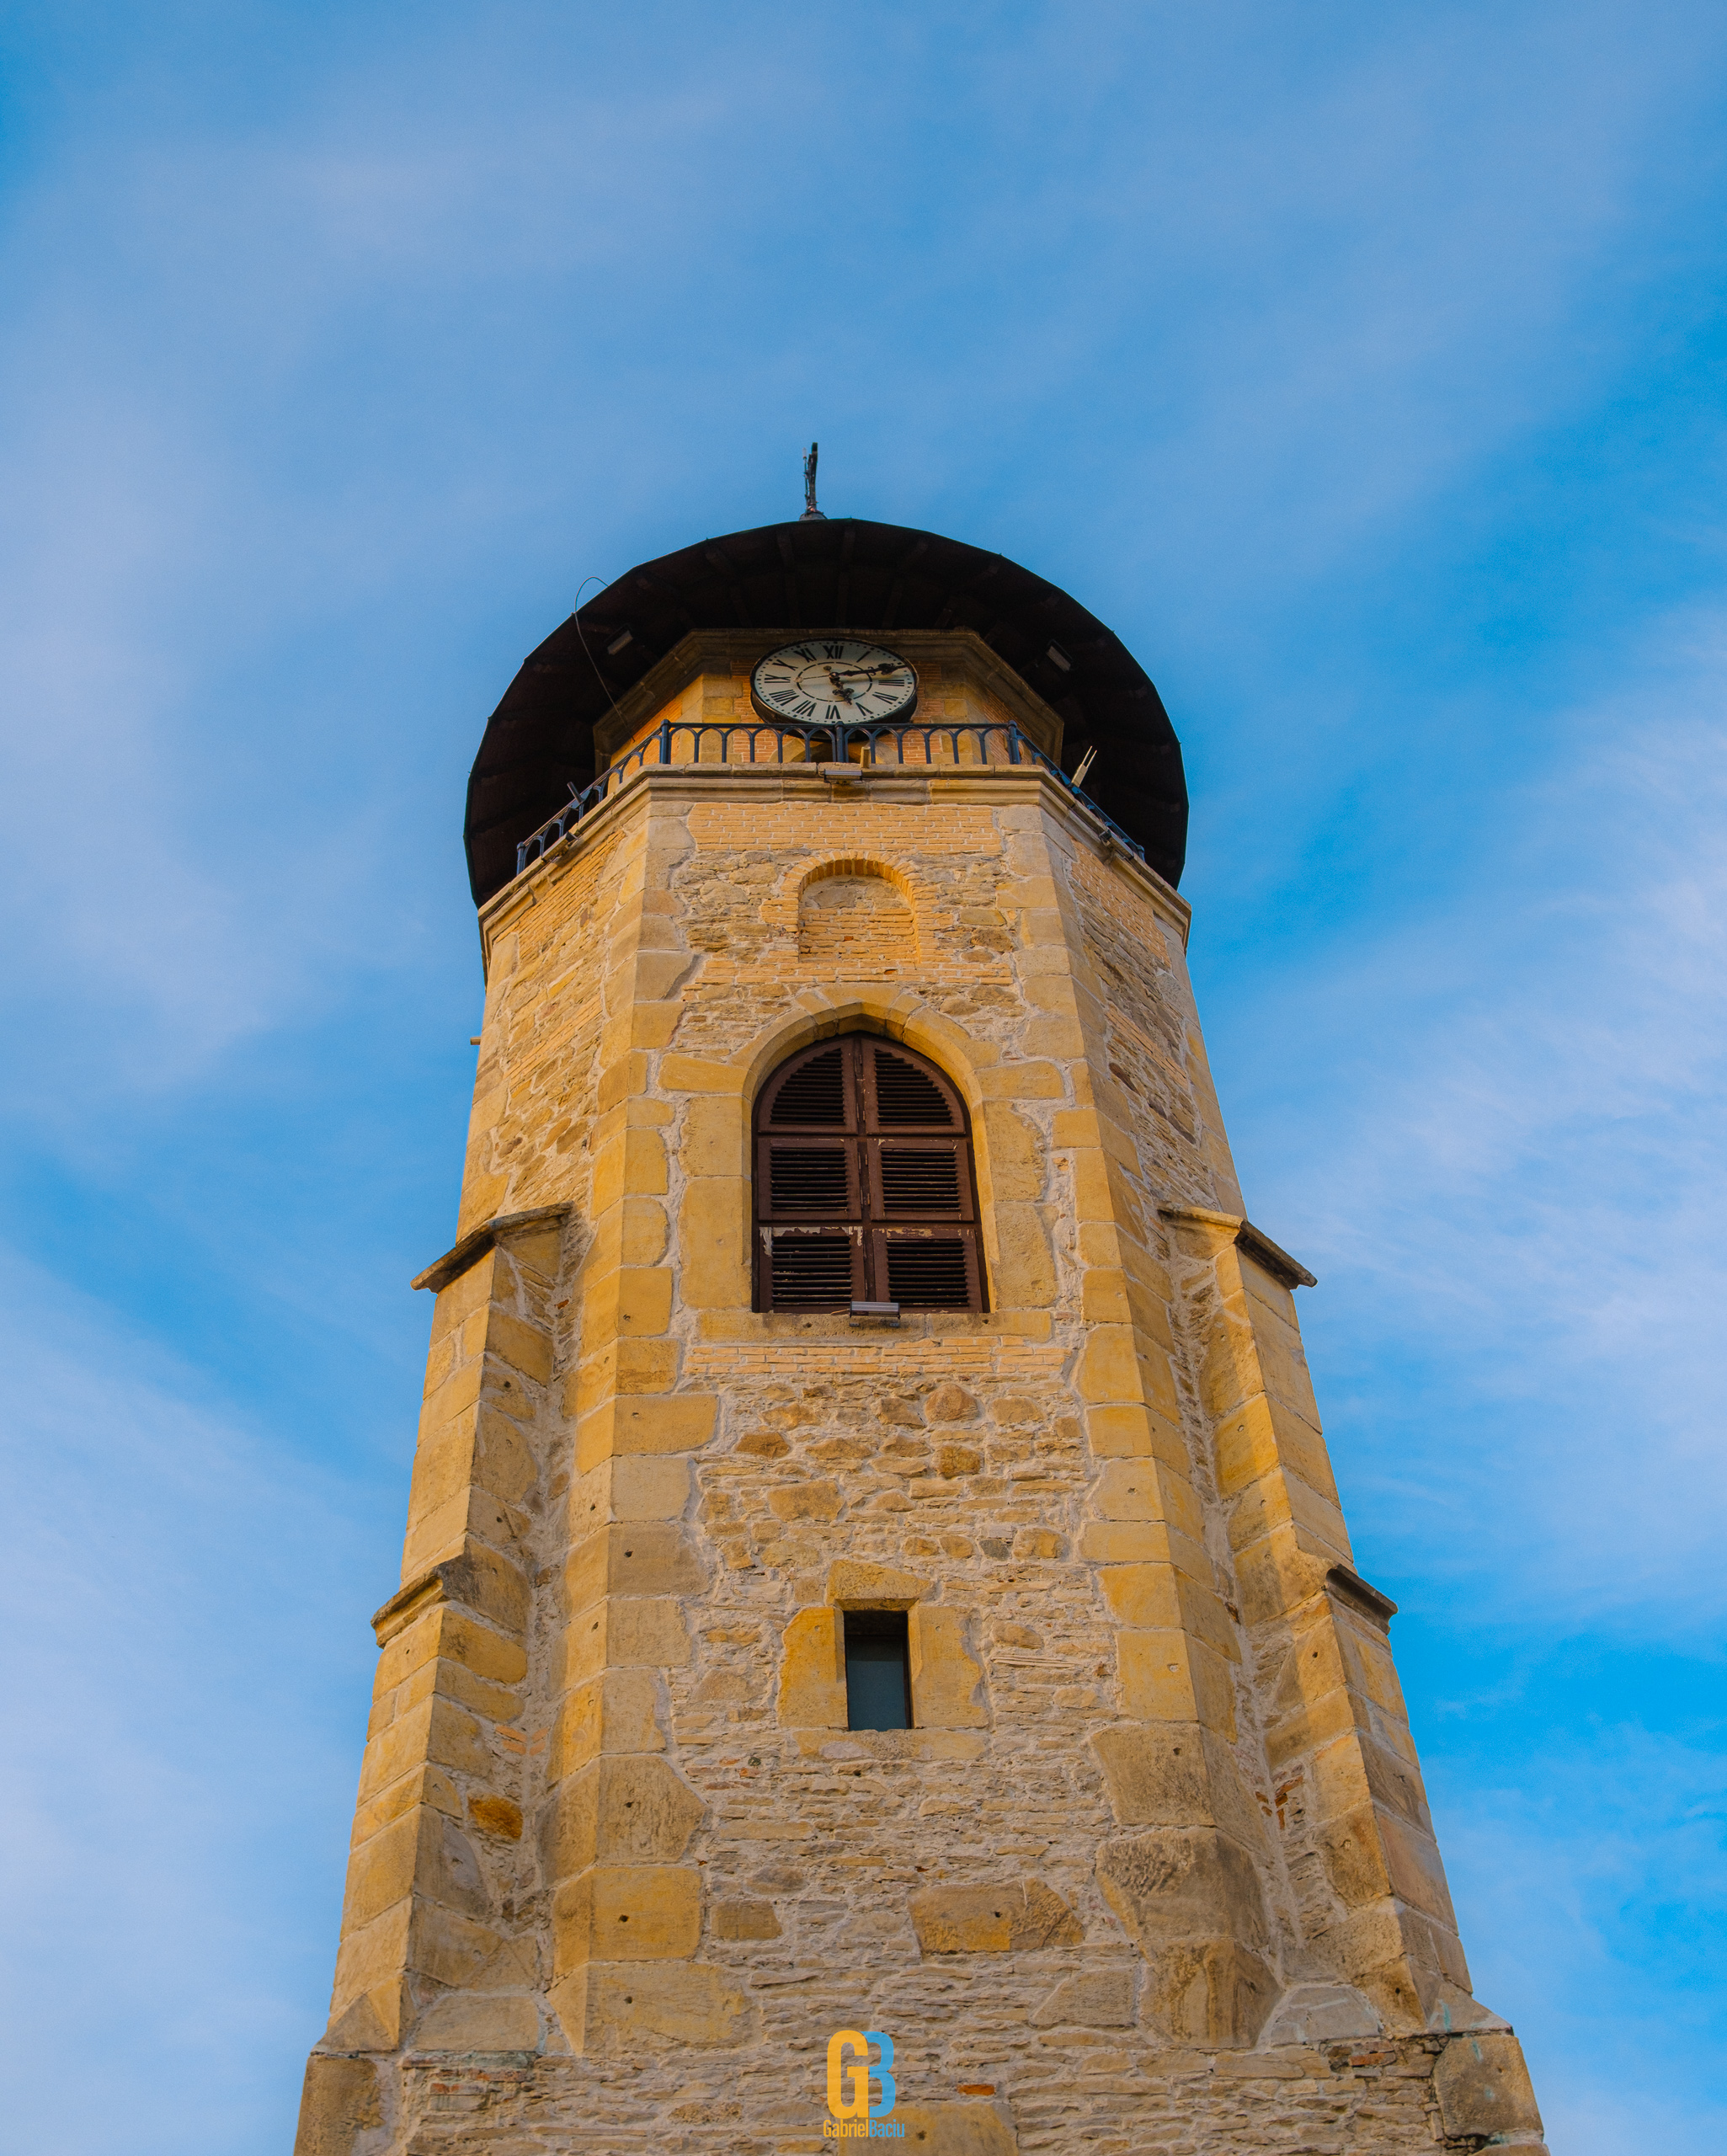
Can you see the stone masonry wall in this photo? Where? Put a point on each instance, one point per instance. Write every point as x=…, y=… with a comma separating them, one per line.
x=1153, y=1869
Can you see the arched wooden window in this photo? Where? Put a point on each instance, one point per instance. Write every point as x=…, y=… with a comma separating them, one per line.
x=864, y=1189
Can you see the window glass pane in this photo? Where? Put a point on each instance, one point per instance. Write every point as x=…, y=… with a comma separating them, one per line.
x=877, y=1674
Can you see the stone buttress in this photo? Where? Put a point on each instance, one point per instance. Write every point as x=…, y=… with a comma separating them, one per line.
x=1154, y=1865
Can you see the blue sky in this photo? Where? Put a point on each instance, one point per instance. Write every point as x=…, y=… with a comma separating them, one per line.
x=1363, y=367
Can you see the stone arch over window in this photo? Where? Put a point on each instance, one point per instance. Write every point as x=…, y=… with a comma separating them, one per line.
x=865, y=1186
x=856, y=912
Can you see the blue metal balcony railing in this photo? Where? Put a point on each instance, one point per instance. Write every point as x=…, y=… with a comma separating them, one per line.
x=708, y=743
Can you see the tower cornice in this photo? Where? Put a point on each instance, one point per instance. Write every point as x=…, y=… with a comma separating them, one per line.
x=1004, y=785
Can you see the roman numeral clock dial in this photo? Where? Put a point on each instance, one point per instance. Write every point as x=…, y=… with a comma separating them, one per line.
x=834, y=681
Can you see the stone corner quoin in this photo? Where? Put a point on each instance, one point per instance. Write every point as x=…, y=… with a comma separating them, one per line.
x=1153, y=1857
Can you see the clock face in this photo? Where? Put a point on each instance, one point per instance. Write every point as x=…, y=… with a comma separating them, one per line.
x=834, y=681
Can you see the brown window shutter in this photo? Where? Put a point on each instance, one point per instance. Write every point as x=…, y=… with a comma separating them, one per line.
x=800, y=1177
x=814, y=1090
x=926, y=1269
x=918, y=1178
x=900, y=1094
x=864, y=1182
x=813, y=1268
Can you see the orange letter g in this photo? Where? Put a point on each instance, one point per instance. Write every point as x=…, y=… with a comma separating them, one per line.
x=858, y=2072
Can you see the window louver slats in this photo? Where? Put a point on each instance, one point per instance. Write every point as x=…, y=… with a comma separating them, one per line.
x=813, y=1272
x=809, y=1179
x=923, y=1182
x=883, y=1209
x=815, y=1093
x=906, y=1095
x=928, y=1273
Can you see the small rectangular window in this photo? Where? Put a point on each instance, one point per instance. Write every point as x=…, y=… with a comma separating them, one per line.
x=877, y=1670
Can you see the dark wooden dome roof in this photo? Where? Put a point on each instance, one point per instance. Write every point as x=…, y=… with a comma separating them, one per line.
x=831, y=572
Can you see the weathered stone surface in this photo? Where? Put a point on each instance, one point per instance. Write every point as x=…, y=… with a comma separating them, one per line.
x=1483, y=2087
x=1156, y=1777
x=958, y=2129
x=1451, y=2008
x=1168, y=1676
x=745, y=1918
x=654, y=2008
x=632, y=1809
x=616, y=1633
x=1214, y=1993
x=615, y=1710
x=812, y=1672
x=479, y=2021
x=620, y=1866
x=442, y=1631
x=625, y=1912
x=448, y=1946
x=497, y=1815
x=947, y=1684
x=638, y=1487
x=805, y=1500
x=855, y=1586
x=363, y=2028
x=422, y=1852
x=478, y=1578
x=1318, y=2014
x=949, y=1403
x=341, y=2100
x=1019, y=1916
x=1192, y=1883
x=637, y=1423
x=1096, y=1998
x=635, y=1557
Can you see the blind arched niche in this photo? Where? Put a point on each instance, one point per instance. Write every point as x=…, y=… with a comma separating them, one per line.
x=864, y=1184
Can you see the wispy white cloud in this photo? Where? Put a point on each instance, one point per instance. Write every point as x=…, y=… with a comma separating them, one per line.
x=269, y=376
x=318, y=405
x=1594, y=1894
x=1508, y=1164
x=1380, y=250
x=184, y=1631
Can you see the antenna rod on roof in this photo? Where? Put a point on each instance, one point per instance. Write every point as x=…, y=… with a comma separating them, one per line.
x=809, y=487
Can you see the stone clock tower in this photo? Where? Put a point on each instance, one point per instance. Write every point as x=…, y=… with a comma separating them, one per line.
x=874, y=1581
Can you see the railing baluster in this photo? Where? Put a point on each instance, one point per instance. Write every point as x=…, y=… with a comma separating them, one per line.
x=836, y=740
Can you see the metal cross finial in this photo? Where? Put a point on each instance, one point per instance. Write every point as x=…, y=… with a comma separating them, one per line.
x=809, y=487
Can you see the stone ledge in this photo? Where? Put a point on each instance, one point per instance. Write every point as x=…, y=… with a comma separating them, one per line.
x=458, y=1580
x=474, y=1245
x=1275, y=1260
x=837, y=1325
x=1350, y=1587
